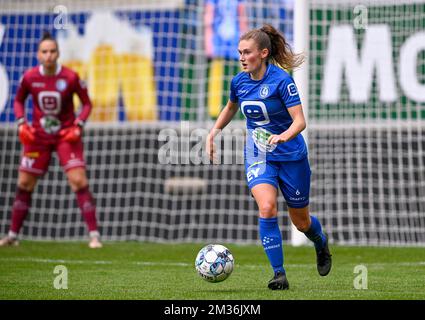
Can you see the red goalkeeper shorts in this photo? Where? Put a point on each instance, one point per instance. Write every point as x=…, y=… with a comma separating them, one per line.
x=36, y=157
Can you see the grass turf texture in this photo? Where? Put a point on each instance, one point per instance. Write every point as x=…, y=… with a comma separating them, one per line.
x=148, y=271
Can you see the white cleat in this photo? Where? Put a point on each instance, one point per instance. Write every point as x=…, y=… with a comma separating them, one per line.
x=95, y=243
x=9, y=242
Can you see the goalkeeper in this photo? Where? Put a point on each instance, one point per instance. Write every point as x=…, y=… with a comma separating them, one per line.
x=275, y=151
x=55, y=128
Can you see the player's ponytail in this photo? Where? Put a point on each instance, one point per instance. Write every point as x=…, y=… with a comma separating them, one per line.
x=280, y=52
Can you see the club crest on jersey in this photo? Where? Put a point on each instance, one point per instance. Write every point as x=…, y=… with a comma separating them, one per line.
x=264, y=91
x=61, y=85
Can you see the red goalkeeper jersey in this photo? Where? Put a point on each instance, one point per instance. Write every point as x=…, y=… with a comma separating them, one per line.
x=52, y=100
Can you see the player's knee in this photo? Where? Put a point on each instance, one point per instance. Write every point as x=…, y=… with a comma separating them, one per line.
x=78, y=182
x=26, y=184
x=28, y=187
x=267, y=209
x=302, y=225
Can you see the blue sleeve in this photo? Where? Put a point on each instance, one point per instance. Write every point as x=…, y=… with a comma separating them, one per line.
x=233, y=96
x=289, y=92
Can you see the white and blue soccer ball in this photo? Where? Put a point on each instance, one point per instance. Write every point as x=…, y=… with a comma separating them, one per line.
x=214, y=263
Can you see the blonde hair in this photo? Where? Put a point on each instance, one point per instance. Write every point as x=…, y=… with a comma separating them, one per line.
x=280, y=52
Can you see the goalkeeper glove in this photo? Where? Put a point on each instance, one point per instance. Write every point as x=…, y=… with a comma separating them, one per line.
x=26, y=132
x=73, y=133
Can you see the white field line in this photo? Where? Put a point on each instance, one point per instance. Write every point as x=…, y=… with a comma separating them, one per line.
x=38, y=260
x=185, y=264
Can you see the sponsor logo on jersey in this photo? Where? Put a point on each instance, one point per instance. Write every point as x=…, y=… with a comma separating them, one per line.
x=61, y=84
x=50, y=124
x=38, y=84
x=50, y=102
x=264, y=91
x=292, y=89
x=261, y=137
x=255, y=111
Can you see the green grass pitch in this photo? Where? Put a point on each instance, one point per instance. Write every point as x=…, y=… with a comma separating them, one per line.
x=150, y=271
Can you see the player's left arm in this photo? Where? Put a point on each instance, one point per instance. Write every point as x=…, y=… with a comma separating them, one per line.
x=297, y=126
x=73, y=133
x=82, y=92
x=292, y=101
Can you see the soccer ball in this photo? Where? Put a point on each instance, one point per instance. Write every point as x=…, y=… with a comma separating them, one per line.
x=214, y=263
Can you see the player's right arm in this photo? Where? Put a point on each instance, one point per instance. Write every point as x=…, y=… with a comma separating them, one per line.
x=25, y=131
x=226, y=115
x=21, y=96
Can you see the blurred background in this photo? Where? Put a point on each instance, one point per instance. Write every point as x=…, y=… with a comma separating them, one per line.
x=153, y=66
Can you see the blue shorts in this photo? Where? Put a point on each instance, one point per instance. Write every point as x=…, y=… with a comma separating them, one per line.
x=292, y=177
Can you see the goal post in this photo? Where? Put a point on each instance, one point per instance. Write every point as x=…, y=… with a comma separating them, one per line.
x=301, y=46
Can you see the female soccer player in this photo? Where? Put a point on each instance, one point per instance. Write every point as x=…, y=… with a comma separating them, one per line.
x=275, y=151
x=54, y=128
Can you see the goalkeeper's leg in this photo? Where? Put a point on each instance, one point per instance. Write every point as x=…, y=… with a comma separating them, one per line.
x=20, y=208
x=78, y=181
x=72, y=160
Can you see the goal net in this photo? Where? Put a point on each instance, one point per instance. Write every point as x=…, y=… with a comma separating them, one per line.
x=366, y=119
x=158, y=74
x=155, y=89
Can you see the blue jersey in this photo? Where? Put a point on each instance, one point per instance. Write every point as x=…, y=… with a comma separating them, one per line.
x=265, y=104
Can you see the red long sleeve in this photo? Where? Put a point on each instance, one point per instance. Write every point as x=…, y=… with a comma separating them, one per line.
x=81, y=90
x=19, y=103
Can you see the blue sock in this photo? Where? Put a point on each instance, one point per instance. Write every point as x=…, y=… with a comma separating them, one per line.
x=271, y=240
x=315, y=233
